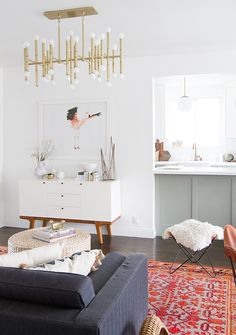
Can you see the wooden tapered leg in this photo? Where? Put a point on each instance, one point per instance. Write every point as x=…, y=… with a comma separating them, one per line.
x=99, y=232
x=109, y=229
x=31, y=223
x=45, y=223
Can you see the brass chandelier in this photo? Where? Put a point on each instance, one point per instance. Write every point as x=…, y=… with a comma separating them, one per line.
x=99, y=58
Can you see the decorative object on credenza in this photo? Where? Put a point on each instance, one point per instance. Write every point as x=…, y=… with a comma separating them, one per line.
x=50, y=176
x=76, y=123
x=56, y=225
x=109, y=169
x=41, y=153
x=99, y=58
x=160, y=153
x=90, y=173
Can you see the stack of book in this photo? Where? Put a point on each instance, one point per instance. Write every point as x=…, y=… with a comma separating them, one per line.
x=49, y=235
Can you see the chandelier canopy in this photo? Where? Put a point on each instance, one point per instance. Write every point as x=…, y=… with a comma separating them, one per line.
x=101, y=57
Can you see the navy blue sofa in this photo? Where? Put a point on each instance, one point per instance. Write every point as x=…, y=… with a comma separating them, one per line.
x=110, y=301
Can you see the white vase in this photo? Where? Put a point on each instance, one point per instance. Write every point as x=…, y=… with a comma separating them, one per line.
x=40, y=170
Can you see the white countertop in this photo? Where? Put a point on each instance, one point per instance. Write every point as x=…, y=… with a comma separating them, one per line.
x=195, y=168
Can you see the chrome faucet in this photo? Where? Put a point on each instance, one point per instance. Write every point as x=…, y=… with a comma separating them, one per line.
x=196, y=156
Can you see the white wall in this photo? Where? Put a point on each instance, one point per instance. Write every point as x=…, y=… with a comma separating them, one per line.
x=132, y=128
x=1, y=151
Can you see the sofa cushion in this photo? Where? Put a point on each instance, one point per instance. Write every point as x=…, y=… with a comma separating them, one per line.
x=32, y=257
x=43, y=287
x=110, y=264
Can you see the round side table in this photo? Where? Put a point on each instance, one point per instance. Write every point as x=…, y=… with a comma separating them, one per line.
x=25, y=241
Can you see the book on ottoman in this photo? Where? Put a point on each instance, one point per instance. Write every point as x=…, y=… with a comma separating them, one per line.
x=49, y=235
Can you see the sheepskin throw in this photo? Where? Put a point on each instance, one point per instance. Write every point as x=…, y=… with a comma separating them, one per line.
x=193, y=234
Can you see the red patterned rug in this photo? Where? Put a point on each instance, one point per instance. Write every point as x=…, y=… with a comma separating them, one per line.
x=3, y=250
x=190, y=302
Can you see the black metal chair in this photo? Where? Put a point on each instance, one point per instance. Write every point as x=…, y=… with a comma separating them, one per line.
x=192, y=257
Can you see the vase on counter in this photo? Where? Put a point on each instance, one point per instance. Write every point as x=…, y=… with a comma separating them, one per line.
x=41, y=169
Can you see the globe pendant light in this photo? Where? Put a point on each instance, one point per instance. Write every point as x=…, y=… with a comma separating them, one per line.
x=185, y=102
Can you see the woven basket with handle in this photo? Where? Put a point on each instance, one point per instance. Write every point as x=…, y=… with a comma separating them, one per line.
x=152, y=325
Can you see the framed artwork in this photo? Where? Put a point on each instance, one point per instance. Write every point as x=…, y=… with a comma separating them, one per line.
x=78, y=129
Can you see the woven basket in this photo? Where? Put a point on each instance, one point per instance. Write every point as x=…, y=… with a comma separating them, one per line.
x=152, y=325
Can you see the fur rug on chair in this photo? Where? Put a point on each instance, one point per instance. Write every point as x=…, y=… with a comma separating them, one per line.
x=193, y=234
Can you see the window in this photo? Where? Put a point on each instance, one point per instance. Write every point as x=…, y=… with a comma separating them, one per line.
x=201, y=125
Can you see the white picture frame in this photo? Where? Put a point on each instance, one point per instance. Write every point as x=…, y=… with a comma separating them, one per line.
x=94, y=134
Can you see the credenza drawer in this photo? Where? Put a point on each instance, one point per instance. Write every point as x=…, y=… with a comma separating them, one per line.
x=63, y=199
x=63, y=187
x=63, y=212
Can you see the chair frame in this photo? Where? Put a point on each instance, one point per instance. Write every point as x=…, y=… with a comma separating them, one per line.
x=193, y=257
x=233, y=269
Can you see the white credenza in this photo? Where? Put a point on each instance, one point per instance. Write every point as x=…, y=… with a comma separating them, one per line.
x=83, y=202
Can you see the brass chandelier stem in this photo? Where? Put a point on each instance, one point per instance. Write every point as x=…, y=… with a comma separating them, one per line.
x=83, y=36
x=36, y=62
x=59, y=38
x=108, y=47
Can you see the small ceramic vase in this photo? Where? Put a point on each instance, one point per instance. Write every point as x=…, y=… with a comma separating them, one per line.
x=41, y=170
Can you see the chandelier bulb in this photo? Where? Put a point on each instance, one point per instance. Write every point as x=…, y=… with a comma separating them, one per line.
x=93, y=75
x=36, y=38
x=103, y=68
x=76, y=69
x=114, y=47
x=108, y=29
x=67, y=37
x=26, y=45
x=43, y=40
x=114, y=75
x=51, y=72
x=27, y=74
x=99, y=79
x=76, y=39
x=76, y=81
x=121, y=35
x=72, y=86
x=54, y=83
x=51, y=42
x=122, y=76
x=108, y=84
x=92, y=35
x=97, y=43
x=68, y=77
x=45, y=79
x=102, y=37
x=71, y=33
x=96, y=72
x=27, y=83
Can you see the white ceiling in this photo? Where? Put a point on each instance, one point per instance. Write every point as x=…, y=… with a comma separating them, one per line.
x=151, y=27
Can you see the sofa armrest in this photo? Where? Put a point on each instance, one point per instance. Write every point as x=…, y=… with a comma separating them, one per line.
x=121, y=305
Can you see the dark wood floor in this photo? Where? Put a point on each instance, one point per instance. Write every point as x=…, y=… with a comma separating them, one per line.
x=158, y=249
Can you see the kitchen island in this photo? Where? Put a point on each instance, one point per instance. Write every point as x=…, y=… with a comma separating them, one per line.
x=200, y=190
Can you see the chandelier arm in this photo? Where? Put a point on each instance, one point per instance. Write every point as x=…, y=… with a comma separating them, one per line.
x=121, y=60
x=71, y=59
x=79, y=58
x=36, y=62
x=59, y=37
x=67, y=57
x=113, y=61
x=92, y=54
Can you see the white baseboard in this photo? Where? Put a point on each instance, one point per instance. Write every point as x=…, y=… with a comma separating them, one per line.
x=117, y=229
